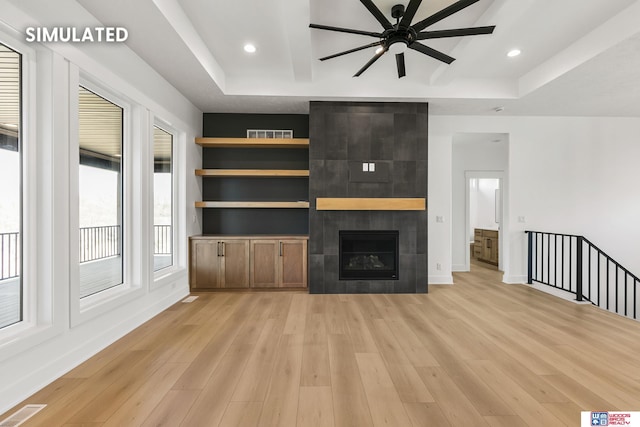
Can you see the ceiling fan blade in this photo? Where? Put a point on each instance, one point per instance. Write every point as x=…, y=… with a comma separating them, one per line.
x=439, y=16
x=431, y=52
x=370, y=63
x=345, y=30
x=400, y=63
x=350, y=51
x=412, y=8
x=377, y=14
x=473, y=31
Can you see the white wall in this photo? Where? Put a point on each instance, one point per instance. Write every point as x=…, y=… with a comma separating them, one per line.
x=566, y=174
x=482, y=205
x=53, y=340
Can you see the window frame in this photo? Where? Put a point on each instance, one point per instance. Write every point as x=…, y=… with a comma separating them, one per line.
x=166, y=275
x=84, y=309
x=38, y=308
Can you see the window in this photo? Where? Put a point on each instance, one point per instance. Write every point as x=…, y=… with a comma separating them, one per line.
x=100, y=193
x=11, y=285
x=162, y=198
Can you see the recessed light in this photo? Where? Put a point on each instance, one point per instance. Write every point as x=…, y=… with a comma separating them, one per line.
x=513, y=53
x=249, y=48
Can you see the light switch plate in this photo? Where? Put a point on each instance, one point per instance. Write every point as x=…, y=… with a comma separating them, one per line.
x=372, y=167
x=365, y=167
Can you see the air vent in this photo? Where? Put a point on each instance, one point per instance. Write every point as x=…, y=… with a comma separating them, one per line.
x=22, y=415
x=269, y=133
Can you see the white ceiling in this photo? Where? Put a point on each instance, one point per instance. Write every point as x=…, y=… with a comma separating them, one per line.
x=579, y=57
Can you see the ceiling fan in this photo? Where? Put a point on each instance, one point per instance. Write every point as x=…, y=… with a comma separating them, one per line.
x=397, y=38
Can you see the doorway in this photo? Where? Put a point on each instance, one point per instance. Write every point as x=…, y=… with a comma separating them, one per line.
x=484, y=213
x=479, y=156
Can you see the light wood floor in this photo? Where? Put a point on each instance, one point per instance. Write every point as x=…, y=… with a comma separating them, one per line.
x=479, y=353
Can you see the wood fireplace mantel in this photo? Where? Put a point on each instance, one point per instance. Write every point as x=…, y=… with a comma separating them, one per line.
x=371, y=204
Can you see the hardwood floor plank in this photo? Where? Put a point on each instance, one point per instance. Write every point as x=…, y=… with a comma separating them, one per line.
x=407, y=381
x=358, y=331
x=211, y=404
x=315, y=353
x=172, y=409
x=384, y=400
x=203, y=366
x=456, y=407
x=254, y=380
x=140, y=403
x=581, y=395
x=281, y=402
x=297, y=316
x=315, y=408
x=529, y=409
x=426, y=415
x=88, y=392
x=567, y=412
x=505, y=421
x=417, y=354
x=349, y=400
x=245, y=414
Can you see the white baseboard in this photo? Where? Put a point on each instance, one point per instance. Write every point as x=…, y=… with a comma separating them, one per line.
x=459, y=268
x=514, y=280
x=440, y=280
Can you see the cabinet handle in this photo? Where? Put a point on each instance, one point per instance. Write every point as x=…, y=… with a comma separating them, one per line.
x=488, y=243
x=219, y=248
x=222, y=248
x=280, y=248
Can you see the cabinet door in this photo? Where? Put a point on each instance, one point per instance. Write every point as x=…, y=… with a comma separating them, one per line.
x=235, y=264
x=293, y=263
x=205, y=264
x=264, y=263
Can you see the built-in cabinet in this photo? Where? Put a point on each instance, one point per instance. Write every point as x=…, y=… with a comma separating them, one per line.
x=256, y=262
x=219, y=263
x=255, y=203
x=485, y=245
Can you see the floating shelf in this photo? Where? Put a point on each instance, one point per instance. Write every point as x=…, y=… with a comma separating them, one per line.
x=252, y=172
x=287, y=205
x=370, y=204
x=254, y=142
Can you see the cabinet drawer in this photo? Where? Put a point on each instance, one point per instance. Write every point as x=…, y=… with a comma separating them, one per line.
x=492, y=234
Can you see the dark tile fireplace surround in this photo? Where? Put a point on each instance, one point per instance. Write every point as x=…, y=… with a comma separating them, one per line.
x=344, y=135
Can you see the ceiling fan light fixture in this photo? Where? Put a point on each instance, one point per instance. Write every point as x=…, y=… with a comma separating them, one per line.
x=379, y=50
x=398, y=47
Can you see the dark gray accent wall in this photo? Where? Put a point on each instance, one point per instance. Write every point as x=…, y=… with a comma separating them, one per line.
x=342, y=136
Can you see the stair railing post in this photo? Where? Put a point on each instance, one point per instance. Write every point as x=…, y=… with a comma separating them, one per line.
x=579, y=272
x=530, y=258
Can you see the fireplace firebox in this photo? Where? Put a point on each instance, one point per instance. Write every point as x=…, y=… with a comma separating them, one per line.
x=368, y=255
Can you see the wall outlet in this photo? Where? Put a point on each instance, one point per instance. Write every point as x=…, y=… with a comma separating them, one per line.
x=438, y=266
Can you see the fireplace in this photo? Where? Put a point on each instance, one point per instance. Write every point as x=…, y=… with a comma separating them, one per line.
x=368, y=255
